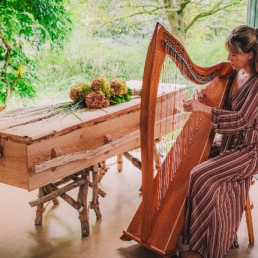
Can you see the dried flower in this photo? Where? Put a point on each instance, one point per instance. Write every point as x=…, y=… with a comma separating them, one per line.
x=118, y=86
x=96, y=100
x=101, y=84
x=79, y=91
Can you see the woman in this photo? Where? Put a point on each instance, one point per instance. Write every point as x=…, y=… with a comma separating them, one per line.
x=219, y=186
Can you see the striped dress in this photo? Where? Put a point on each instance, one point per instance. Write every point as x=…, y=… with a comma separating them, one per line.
x=219, y=186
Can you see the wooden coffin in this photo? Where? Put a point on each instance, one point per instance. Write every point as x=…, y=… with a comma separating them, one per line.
x=39, y=145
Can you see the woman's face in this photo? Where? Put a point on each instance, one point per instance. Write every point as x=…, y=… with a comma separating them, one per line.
x=240, y=61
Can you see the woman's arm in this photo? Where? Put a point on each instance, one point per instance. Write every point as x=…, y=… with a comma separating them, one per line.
x=227, y=121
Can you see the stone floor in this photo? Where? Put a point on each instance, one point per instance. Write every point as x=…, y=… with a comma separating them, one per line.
x=60, y=235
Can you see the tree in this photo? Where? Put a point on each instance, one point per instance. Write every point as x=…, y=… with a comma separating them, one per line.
x=180, y=15
x=25, y=26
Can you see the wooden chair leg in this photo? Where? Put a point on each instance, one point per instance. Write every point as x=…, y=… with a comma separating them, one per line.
x=249, y=221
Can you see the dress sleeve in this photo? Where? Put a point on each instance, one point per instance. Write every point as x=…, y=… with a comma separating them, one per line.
x=229, y=122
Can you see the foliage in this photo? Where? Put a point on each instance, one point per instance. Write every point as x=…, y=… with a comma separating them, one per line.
x=182, y=16
x=110, y=38
x=118, y=19
x=205, y=52
x=24, y=27
x=217, y=18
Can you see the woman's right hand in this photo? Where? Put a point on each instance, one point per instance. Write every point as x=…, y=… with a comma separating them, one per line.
x=198, y=95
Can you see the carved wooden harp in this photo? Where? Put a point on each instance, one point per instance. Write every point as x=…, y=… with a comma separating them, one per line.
x=159, y=230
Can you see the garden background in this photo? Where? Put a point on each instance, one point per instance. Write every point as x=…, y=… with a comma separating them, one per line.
x=46, y=47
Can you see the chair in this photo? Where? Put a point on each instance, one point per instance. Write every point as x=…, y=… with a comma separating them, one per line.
x=249, y=221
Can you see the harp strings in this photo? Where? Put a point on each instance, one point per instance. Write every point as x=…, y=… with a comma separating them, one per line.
x=173, y=144
x=166, y=159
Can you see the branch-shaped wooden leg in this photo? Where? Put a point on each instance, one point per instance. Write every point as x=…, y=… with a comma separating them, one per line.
x=95, y=189
x=135, y=161
x=52, y=189
x=82, y=200
x=120, y=162
x=55, y=192
x=55, y=200
x=103, y=170
x=40, y=208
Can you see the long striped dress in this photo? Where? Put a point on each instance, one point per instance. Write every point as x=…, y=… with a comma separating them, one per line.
x=219, y=186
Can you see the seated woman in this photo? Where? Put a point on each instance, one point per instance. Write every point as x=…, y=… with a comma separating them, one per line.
x=219, y=186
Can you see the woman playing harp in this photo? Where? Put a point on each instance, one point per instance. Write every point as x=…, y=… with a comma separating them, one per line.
x=159, y=219
x=219, y=186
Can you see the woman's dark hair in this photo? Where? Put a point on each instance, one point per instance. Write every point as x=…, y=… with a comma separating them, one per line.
x=242, y=40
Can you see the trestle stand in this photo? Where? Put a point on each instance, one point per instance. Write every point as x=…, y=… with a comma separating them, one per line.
x=80, y=179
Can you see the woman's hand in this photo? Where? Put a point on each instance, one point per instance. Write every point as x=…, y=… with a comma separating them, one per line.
x=192, y=105
x=199, y=95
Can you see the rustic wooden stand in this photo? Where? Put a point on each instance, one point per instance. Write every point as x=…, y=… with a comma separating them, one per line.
x=81, y=179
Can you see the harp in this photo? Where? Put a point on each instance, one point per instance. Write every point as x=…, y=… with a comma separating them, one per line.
x=158, y=228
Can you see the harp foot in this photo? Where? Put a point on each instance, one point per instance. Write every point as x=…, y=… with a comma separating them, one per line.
x=125, y=238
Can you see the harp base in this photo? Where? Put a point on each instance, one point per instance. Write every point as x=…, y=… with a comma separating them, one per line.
x=127, y=236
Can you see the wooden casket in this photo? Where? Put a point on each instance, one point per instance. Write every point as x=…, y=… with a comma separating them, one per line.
x=40, y=145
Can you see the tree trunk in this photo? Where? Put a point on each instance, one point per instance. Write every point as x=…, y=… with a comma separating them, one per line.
x=177, y=26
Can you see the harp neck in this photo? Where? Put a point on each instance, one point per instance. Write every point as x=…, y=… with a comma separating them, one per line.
x=167, y=43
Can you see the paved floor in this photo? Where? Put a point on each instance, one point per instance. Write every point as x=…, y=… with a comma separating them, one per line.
x=60, y=235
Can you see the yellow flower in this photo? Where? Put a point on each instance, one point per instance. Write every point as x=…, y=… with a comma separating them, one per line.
x=20, y=70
